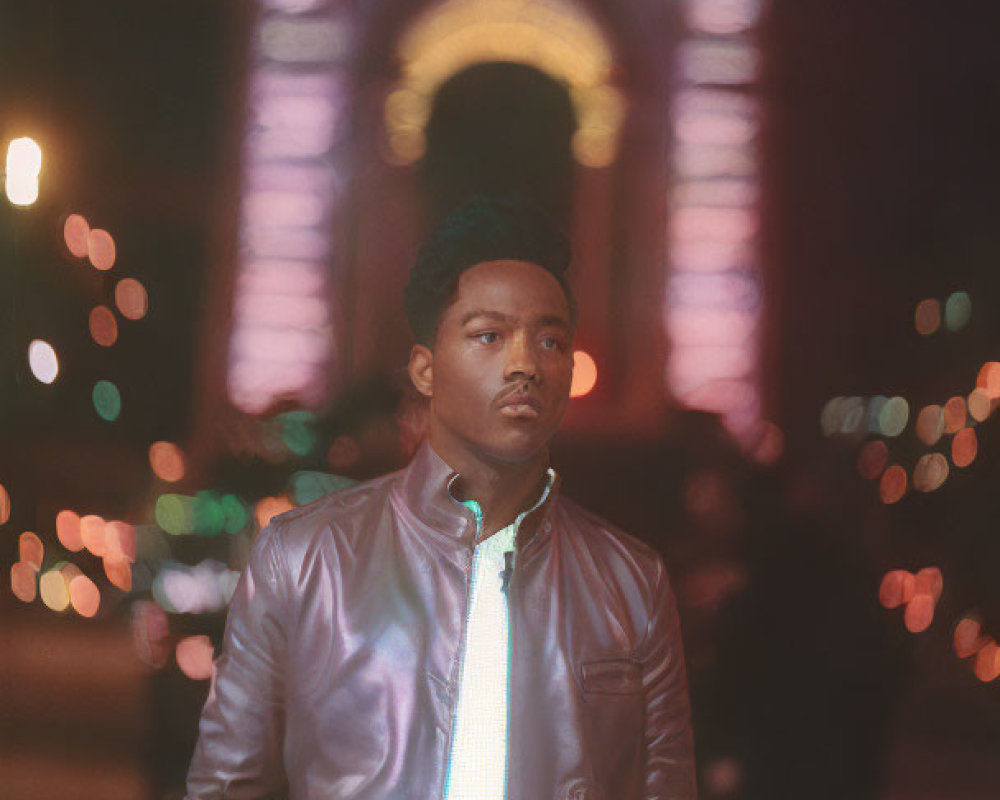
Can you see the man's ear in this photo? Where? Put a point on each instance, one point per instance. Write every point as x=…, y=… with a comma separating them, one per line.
x=421, y=369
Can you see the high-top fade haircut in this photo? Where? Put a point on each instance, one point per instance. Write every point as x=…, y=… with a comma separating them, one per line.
x=484, y=229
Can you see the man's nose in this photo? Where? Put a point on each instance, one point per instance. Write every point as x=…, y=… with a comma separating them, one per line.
x=521, y=361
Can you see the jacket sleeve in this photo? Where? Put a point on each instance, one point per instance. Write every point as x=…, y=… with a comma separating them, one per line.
x=670, y=772
x=239, y=750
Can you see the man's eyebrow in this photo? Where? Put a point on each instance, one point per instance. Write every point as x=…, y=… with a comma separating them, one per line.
x=547, y=321
x=481, y=312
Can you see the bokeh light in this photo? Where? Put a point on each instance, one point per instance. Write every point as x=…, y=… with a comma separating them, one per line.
x=927, y=317
x=194, y=657
x=930, y=424
x=166, y=460
x=5, y=506
x=897, y=588
x=988, y=379
x=85, y=596
x=929, y=581
x=76, y=231
x=968, y=638
x=92, y=534
x=150, y=629
x=930, y=472
x=893, y=416
x=980, y=405
x=987, y=666
x=175, y=513
x=957, y=311
x=107, y=400
x=103, y=326
x=42, y=360
x=872, y=459
x=584, y=374
x=268, y=507
x=131, y=298
x=68, y=530
x=101, y=249
x=31, y=549
x=119, y=573
x=919, y=613
x=24, y=163
x=24, y=581
x=119, y=541
x=892, y=485
x=964, y=447
x=236, y=511
x=954, y=415
x=53, y=590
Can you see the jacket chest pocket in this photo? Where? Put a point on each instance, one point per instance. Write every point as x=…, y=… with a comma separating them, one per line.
x=611, y=676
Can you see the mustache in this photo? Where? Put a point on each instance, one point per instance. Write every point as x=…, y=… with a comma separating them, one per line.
x=525, y=387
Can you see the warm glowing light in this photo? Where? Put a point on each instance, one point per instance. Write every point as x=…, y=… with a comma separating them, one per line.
x=4, y=504
x=893, y=416
x=68, y=530
x=964, y=447
x=584, y=374
x=897, y=588
x=892, y=486
x=119, y=573
x=76, y=230
x=872, y=459
x=85, y=596
x=103, y=326
x=68, y=570
x=930, y=424
x=930, y=581
x=131, y=298
x=987, y=666
x=107, y=400
x=92, y=534
x=979, y=404
x=919, y=613
x=24, y=163
x=101, y=249
x=167, y=461
x=930, y=473
x=119, y=541
x=42, y=360
x=194, y=657
x=268, y=507
x=989, y=379
x=53, y=590
x=927, y=317
x=954, y=415
x=24, y=581
x=957, y=311
x=968, y=638
x=31, y=549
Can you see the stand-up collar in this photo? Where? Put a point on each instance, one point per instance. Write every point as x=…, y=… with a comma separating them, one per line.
x=425, y=489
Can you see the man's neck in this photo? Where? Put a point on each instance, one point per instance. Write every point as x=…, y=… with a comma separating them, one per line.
x=502, y=490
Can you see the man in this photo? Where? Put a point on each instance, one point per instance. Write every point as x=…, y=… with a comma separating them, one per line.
x=457, y=629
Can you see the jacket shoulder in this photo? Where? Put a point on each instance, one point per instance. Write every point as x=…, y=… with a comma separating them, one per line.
x=599, y=532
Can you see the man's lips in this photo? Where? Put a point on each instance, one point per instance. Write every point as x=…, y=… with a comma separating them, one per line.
x=519, y=404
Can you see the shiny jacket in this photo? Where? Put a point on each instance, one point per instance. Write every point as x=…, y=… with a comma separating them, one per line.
x=339, y=669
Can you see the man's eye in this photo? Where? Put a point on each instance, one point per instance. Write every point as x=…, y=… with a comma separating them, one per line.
x=486, y=337
x=551, y=343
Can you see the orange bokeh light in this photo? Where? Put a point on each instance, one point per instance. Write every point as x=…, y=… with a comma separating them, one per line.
x=954, y=415
x=68, y=530
x=4, y=504
x=119, y=572
x=76, y=231
x=24, y=581
x=919, y=613
x=980, y=405
x=897, y=588
x=92, y=534
x=31, y=549
x=103, y=326
x=989, y=379
x=167, y=461
x=892, y=486
x=194, y=657
x=268, y=507
x=930, y=424
x=988, y=662
x=927, y=317
x=584, y=374
x=85, y=596
x=968, y=638
x=131, y=298
x=101, y=249
x=930, y=472
x=119, y=541
x=930, y=581
x=872, y=459
x=964, y=447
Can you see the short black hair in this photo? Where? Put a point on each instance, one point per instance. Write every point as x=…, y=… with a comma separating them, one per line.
x=483, y=229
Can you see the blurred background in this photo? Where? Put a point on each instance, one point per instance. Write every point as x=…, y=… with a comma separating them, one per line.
x=784, y=217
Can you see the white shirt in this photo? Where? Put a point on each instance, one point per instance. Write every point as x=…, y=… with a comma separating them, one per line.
x=477, y=766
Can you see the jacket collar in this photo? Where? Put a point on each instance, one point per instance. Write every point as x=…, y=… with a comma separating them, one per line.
x=425, y=490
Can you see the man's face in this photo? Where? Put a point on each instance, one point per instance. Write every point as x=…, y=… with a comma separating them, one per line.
x=499, y=375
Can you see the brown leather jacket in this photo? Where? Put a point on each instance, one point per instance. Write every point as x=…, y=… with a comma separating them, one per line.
x=339, y=670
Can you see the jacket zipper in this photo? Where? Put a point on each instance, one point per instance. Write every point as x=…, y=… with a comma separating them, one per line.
x=508, y=576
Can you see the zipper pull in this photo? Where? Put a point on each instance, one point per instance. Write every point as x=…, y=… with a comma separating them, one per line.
x=508, y=570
